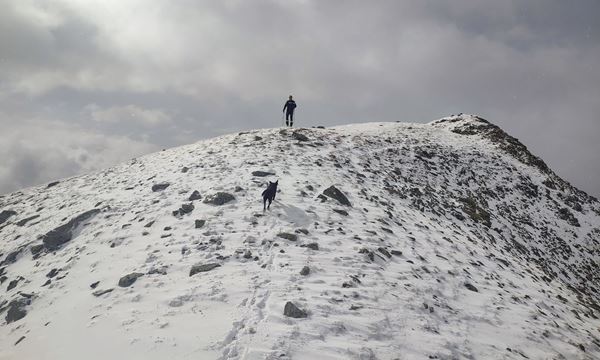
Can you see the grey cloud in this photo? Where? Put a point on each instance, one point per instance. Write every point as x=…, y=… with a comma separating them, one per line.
x=191, y=70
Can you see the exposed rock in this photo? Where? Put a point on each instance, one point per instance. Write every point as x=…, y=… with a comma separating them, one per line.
x=11, y=257
x=129, y=279
x=102, y=292
x=219, y=198
x=341, y=212
x=36, y=249
x=62, y=234
x=199, y=223
x=238, y=189
x=301, y=231
x=12, y=284
x=384, y=252
x=26, y=220
x=4, y=215
x=299, y=136
x=396, y=252
x=476, y=212
x=471, y=287
x=160, y=186
x=149, y=224
x=195, y=196
x=305, y=271
x=291, y=310
x=566, y=215
x=185, y=169
x=17, y=310
x=203, y=268
x=20, y=339
x=52, y=273
x=54, y=183
x=94, y=284
x=336, y=194
x=313, y=246
x=262, y=173
x=248, y=254
x=288, y=236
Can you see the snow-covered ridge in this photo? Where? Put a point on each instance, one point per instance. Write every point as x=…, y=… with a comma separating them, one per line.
x=444, y=240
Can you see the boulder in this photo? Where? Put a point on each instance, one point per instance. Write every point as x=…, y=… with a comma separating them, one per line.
x=288, y=236
x=336, y=194
x=129, y=279
x=195, y=196
x=54, y=239
x=291, y=310
x=341, y=212
x=17, y=310
x=305, y=271
x=160, y=186
x=26, y=220
x=219, y=198
x=313, y=246
x=186, y=209
x=299, y=136
x=4, y=215
x=471, y=287
x=102, y=292
x=54, y=183
x=203, y=268
x=199, y=223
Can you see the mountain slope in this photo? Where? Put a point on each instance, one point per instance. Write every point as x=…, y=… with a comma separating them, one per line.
x=455, y=242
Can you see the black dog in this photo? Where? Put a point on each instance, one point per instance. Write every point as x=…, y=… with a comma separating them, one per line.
x=269, y=194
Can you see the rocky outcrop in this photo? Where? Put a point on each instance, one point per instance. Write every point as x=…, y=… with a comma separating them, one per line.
x=54, y=239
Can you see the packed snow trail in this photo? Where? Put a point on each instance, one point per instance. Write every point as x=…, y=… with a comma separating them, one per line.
x=455, y=243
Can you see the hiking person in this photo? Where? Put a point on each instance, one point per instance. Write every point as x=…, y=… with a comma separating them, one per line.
x=288, y=108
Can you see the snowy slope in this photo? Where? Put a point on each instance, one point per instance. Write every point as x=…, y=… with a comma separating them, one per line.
x=457, y=243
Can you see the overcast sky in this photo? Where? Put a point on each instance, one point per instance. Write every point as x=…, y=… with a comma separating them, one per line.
x=86, y=84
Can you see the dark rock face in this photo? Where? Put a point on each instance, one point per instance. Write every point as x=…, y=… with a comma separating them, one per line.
x=299, y=136
x=566, y=215
x=17, y=310
x=262, y=173
x=129, y=279
x=199, y=223
x=219, y=198
x=291, y=310
x=195, y=196
x=341, y=212
x=471, y=287
x=160, y=187
x=384, y=252
x=476, y=212
x=184, y=209
x=11, y=257
x=54, y=239
x=54, y=183
x=52, y=273
x=336, y=194
x=203, y=268
x=26, y=220
x=305, y=271
x=4, y=215
x=12, y=284
x=288, y=236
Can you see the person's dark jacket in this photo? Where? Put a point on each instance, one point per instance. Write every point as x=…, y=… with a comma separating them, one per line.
x=290, y=105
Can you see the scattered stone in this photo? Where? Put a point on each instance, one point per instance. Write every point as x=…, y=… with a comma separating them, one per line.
x=471, y=287
x=291, y=310
x=238, y=189
x=12, y=284
x=11, y=257
x=48, y=282
x=299, y=136
x=36, y=249
x=262, y=173
x=313, y=246
x=95, y=284
x=52, y=273
x=219, y=198
x=186, y=209
x=247, y=254
x=301, y=231
x=160, y=186
x=195, y=196
x=384, y=252
x=396, y=252
x=129, y=279
x=475, y=212
x=336, y=194
x=150, y=224
x=341, y=212
x=305, y=271
x=288, y=236
x=20, y=339
x=565, y=214
x=4, y=215
x=185, y=169
x=203, y=268
x=199, y=223
x=98, y=293
x=16, y=310
x=54, y=183
x=54, y=239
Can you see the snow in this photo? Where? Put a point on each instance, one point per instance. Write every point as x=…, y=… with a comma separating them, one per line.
x=404, y=182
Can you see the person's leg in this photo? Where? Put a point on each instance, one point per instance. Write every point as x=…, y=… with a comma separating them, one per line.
x=287, y=119
x=292, y=119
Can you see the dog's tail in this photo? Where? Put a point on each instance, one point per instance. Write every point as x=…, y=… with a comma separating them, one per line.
x=264, y=192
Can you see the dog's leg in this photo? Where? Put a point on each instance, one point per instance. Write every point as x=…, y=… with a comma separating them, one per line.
x=264, y=204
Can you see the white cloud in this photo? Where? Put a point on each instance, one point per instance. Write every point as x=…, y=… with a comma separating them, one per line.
x=128, y=114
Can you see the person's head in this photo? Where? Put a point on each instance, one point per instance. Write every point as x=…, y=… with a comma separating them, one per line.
x=290, y=97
